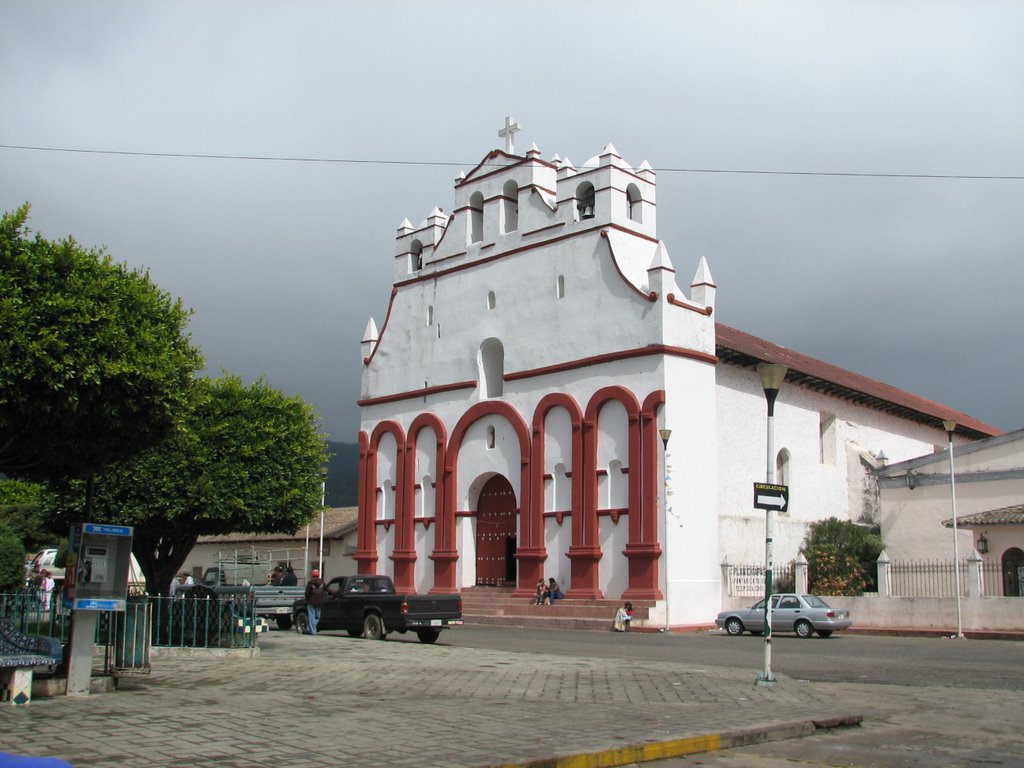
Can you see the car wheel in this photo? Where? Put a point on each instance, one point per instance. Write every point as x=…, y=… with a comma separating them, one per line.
x=373, y=627
x=284, y=622
x=804, y=629
x=824, y=633
x=734, y=626
x=302, y=623
x=428, y=635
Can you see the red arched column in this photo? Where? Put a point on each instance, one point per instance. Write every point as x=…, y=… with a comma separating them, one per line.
x=445, y=552
x=366, y=554
x=644, y=549
x=533, y=551
x=404, y=555
x=366, y=540
x=585, y=551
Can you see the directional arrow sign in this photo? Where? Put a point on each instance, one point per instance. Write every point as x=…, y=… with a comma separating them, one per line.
x=768, y=496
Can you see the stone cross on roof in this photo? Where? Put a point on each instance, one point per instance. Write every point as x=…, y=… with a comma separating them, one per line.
x=508, y=133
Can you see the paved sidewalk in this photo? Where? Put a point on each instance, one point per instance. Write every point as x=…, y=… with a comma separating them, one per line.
x=335, y=701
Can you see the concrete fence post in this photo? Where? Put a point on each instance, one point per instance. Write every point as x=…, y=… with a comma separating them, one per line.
x=727, y=576
x=883, y=564
x=800, y=574
x=975, y=585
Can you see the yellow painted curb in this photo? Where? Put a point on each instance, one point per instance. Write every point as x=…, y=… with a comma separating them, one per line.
x=636, y=753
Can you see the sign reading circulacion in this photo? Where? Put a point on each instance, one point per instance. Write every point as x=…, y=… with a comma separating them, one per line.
x=768, y=496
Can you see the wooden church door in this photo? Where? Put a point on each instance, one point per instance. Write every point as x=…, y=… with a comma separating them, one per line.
x=496, y=533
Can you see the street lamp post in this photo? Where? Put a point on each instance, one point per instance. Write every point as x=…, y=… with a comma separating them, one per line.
x=950, y=426
x=665, y=435
x=772, y=376
x=323, y=504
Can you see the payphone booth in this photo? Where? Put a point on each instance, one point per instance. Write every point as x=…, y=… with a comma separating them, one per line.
x=101, y=563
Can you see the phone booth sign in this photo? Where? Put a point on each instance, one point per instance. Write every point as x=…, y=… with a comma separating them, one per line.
x=102, y=567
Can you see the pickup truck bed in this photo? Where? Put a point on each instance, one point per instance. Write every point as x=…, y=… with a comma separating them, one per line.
x=368, y=606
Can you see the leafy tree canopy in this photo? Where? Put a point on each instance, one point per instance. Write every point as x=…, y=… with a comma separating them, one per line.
x=246, y=459
x=94, y=360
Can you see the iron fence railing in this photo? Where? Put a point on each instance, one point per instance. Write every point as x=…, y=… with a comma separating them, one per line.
x=937, y=578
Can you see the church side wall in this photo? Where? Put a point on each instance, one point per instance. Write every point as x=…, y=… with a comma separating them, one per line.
x=823, y=437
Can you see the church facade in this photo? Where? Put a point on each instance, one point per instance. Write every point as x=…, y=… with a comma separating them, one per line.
x=543, y=399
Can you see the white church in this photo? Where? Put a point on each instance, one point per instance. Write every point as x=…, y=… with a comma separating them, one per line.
x=537, y=348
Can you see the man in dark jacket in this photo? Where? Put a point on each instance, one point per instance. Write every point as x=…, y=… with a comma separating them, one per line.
x=316, y=594
x=289, y=579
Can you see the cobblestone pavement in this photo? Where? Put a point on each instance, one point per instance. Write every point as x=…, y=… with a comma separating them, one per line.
x=336, y=701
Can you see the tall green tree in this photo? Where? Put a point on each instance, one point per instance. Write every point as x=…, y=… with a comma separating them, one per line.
x=246, y=459
x=95, y=363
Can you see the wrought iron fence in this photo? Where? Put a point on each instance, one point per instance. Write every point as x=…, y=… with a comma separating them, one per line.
x=937, y=578
x=179, y=621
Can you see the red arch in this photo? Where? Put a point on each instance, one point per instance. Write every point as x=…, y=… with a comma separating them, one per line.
x=585, y=551
x=445, y=552
x=644, y=549
x=533, y=551
x=366, y=554
x=405, y=539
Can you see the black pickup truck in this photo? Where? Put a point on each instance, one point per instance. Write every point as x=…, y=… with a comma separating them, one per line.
x=368, y=606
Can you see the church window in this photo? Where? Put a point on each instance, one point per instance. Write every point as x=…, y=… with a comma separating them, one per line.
x=827, y=438
x=585, y=200
x=491, y=437
x=492, y=368
x=492, y=300
x=782, y=470
x=476, y=218
x=430, y=314
x=633, y=203
x=416, y=256
x=560, y=287
x=510, y=206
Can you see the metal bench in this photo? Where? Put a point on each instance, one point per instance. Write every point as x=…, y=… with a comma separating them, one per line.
x=20, y=655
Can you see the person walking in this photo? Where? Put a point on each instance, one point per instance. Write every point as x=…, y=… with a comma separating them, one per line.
x=316, y=594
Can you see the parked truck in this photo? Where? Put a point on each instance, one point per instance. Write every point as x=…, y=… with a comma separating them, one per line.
x=252, y=570
x=368, y=606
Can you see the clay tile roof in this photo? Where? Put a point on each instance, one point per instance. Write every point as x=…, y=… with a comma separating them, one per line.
x=1006, y=516
x=738, y=348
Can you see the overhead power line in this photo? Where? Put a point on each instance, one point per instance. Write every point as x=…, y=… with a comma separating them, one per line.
x=439, y=163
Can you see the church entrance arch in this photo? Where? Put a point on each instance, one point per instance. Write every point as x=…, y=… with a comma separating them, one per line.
x=496, y=533
x=1013, y=573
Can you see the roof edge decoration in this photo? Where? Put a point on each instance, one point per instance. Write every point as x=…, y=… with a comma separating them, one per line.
x=735, y=347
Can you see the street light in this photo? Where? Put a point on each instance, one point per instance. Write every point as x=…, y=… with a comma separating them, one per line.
x=772, y=376
x=665, y=435
x=323, y=504
x=950, y=426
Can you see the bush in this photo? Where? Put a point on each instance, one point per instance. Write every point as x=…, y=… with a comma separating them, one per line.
x=12, y=561
x=841, y=557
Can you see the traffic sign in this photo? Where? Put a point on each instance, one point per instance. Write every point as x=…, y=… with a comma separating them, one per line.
x=769, y=496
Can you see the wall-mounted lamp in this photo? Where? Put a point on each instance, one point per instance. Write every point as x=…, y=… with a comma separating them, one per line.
x=911, y=479
x=982, y=545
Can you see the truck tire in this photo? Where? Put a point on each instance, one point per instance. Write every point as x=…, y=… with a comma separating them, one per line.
x=373, y=627
x=428, y=636
x=302, y=623
x=284, y=622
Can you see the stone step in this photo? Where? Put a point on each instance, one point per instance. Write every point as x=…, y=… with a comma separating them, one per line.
x=551, y=622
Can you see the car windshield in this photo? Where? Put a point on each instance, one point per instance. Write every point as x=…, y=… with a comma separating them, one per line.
x=815, y=602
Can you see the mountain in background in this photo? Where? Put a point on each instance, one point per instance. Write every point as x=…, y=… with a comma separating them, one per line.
x=342, y=474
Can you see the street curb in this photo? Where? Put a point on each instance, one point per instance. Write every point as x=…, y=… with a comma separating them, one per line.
x=692, y=745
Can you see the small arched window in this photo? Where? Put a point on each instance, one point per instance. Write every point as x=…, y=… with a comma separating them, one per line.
x=492, y=300
x=782, y=467
x=416, y=256
x=633, y=209
x=510, y=206
x=491, y=437
x=560, y=287
x=476, y=217
x=585, y=201
x=492, y=368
